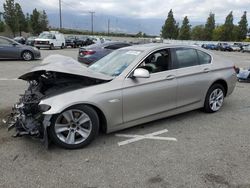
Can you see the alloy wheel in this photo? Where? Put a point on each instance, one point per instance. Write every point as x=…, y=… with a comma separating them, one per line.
x=27, y=56
x=216, y=99
x=73, y=126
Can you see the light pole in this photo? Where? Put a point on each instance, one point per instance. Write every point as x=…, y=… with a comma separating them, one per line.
x=92, y=21
x=108, y=26
x=1, y=16
x=60, y=13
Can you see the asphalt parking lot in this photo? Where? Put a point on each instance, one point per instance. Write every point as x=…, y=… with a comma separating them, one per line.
x=202, y=150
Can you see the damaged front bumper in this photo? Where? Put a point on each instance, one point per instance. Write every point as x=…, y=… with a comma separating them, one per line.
x=29, y=123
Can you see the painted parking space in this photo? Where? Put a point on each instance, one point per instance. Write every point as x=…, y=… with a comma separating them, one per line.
x=150, y=136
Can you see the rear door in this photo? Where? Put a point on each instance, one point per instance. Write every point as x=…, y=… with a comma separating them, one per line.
x=193, y=75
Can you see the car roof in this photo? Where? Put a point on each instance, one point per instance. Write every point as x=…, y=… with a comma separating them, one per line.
x=152, y=46
x=7, y=38
x=106, y=43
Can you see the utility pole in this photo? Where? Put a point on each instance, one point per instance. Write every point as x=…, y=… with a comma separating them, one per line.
x=60, y=13
x=108, y=26
x=92, y=21
x=1, y=16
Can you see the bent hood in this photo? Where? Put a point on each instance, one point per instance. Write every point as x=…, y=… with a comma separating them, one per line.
x=63, y=64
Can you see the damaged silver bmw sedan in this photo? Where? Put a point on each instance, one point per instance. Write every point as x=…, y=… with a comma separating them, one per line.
x=68, y=103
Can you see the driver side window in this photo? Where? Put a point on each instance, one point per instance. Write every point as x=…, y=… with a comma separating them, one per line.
x=158, y=61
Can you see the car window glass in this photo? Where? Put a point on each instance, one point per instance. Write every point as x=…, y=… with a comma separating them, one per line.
x=111, y=47
x=204, y=58
x=5, y=42
x=116, y=46
x=157, y=62
x=115, y=63
x=186, y=57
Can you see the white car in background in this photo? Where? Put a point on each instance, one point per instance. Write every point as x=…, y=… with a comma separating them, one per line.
x=98, y=40
x=50, y=39
x=236, y=48
x=246, y=48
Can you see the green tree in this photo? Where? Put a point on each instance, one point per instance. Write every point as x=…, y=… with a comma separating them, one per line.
x=242, y=27
x=185, y=30
x=235, y=33
x=27, y=20
x=209, y=27
x=170, y=28
x=35, y=22
x=38, y=21
x=218, y=33
x=197, y=33
x=9, y=15
x=228, y=27
x=21, y=22
x=44, y=21
x=2, y=26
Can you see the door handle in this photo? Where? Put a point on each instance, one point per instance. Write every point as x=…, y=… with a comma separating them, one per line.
x=206, y=70
x=170, y=77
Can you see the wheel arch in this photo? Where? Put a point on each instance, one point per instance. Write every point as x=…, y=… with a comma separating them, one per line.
x=100, y=113
x=26, y=50
x=222, y=83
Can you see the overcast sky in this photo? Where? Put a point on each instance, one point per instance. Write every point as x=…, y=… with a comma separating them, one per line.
x=196, y=10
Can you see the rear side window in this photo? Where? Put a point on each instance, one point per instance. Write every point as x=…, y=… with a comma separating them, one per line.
x=204, y=58
x=186, y=57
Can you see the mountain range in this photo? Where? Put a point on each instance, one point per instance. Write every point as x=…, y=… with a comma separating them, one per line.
x=150, y=26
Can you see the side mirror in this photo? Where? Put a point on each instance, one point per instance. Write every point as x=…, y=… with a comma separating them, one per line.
x=141, y=73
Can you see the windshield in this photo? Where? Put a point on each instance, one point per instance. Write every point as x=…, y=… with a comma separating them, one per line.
x=115, y=63
x=46, y=36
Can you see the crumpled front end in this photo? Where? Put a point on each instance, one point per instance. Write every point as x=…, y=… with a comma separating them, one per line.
x=56, y=75
x=27, y=116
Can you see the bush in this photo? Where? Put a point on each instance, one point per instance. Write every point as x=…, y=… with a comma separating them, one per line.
x=247, y=40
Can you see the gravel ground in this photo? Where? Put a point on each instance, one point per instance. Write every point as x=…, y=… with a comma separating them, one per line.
x=213, y=150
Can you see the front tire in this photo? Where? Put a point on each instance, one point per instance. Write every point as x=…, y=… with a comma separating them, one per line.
x=214, y=98
x=27, y=56
x=75, y=127
x=51, y=47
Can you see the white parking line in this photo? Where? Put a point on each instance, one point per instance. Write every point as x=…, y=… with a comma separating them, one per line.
x=8, y=79
x=135, y=138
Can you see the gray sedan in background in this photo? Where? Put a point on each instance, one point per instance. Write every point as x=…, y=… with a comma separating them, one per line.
x=10, y=49
x=94, y=52
x=69, y=103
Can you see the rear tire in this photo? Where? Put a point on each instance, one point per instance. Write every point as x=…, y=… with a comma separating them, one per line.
x=62, y=46
x=75, y=127
x=214, y=98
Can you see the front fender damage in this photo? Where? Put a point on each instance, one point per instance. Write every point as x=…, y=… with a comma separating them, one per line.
x=28, y=115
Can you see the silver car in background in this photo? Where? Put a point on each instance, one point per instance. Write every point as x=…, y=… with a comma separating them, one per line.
x=10, y=49
x=69, y=103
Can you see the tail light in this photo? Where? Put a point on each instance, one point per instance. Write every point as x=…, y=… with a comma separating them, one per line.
x=87, y=52
x=236, y=69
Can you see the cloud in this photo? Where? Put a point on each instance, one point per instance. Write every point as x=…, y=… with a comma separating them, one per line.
x=196, y=10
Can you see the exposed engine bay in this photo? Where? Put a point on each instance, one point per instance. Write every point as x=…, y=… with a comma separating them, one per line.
x=27, y=115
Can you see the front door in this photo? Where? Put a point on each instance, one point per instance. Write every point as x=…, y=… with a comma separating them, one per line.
x=143, y=97
x=8, y=50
